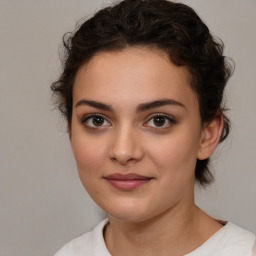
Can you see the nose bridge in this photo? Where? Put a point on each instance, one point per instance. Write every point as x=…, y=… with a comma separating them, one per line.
x=126, y=145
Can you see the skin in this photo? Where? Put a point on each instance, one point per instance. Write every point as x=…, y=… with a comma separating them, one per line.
x=159, y=217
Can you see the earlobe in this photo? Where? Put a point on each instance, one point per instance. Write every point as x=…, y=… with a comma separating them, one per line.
x=210, y=137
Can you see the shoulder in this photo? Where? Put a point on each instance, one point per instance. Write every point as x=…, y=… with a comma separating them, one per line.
x=91, y=243
x=236, y=231
x=229, y=240
x=238, y=241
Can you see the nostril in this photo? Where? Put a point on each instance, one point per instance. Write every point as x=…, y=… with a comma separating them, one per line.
x=123, y=158
x=125, y=146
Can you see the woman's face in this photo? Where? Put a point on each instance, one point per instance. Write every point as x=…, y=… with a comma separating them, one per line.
x=135, y=133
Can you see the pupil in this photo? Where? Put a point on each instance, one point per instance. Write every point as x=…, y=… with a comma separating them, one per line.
x=159, y=121
x=97, y=121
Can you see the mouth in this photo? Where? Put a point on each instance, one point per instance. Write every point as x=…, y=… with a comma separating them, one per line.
x=127, y=181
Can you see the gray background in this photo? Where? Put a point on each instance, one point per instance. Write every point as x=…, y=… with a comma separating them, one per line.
x=42, y=203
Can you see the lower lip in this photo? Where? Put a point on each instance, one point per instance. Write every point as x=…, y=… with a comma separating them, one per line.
x=128, y=184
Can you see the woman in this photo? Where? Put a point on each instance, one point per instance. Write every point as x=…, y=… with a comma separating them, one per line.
x=142, y=90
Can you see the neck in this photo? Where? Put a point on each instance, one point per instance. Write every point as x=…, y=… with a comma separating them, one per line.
x=174, y=232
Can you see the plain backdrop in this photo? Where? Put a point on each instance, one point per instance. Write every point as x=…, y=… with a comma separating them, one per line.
x=42, y=203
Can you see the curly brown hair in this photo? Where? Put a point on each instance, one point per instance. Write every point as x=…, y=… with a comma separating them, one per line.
x=172, y=27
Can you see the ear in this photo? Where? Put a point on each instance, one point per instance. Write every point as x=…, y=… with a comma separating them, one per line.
x=210, y=137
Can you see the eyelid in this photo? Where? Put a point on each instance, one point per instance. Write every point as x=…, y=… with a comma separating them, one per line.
x=170, y=119
x=87, y=117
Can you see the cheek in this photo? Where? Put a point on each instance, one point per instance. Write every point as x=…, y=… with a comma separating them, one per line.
x=89, y=154
x=89, y=157
x=177, y=152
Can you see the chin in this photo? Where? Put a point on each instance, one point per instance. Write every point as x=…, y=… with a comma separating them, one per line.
x=129, y=212
x=128, y=217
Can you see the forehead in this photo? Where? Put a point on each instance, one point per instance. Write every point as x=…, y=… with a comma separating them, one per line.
x=134, y=74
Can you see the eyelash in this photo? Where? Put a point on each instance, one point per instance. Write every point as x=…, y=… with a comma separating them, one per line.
x=167, y=118
x=171, y=121
x=86, y=118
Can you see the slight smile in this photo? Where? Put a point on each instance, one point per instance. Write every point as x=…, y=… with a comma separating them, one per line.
x=127, y=181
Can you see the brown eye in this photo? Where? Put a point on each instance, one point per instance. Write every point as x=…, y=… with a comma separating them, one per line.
x=97, y=120
x=94, y=121
x=159, y=121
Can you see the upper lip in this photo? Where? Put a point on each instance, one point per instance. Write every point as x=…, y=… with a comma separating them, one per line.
x=129, y=176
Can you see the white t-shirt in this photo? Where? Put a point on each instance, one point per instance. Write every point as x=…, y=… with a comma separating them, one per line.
x=230, y=240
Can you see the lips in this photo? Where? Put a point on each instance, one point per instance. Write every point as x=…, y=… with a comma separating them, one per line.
x=127, y=181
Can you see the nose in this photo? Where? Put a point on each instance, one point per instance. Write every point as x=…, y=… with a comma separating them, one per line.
x=126, y=146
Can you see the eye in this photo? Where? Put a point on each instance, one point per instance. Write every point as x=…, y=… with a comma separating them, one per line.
x=160, y=121
x=95, y=120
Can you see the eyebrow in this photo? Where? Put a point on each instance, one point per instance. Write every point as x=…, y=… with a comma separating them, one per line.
x=94, y=104
x=158, y=103
x=140, y=108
